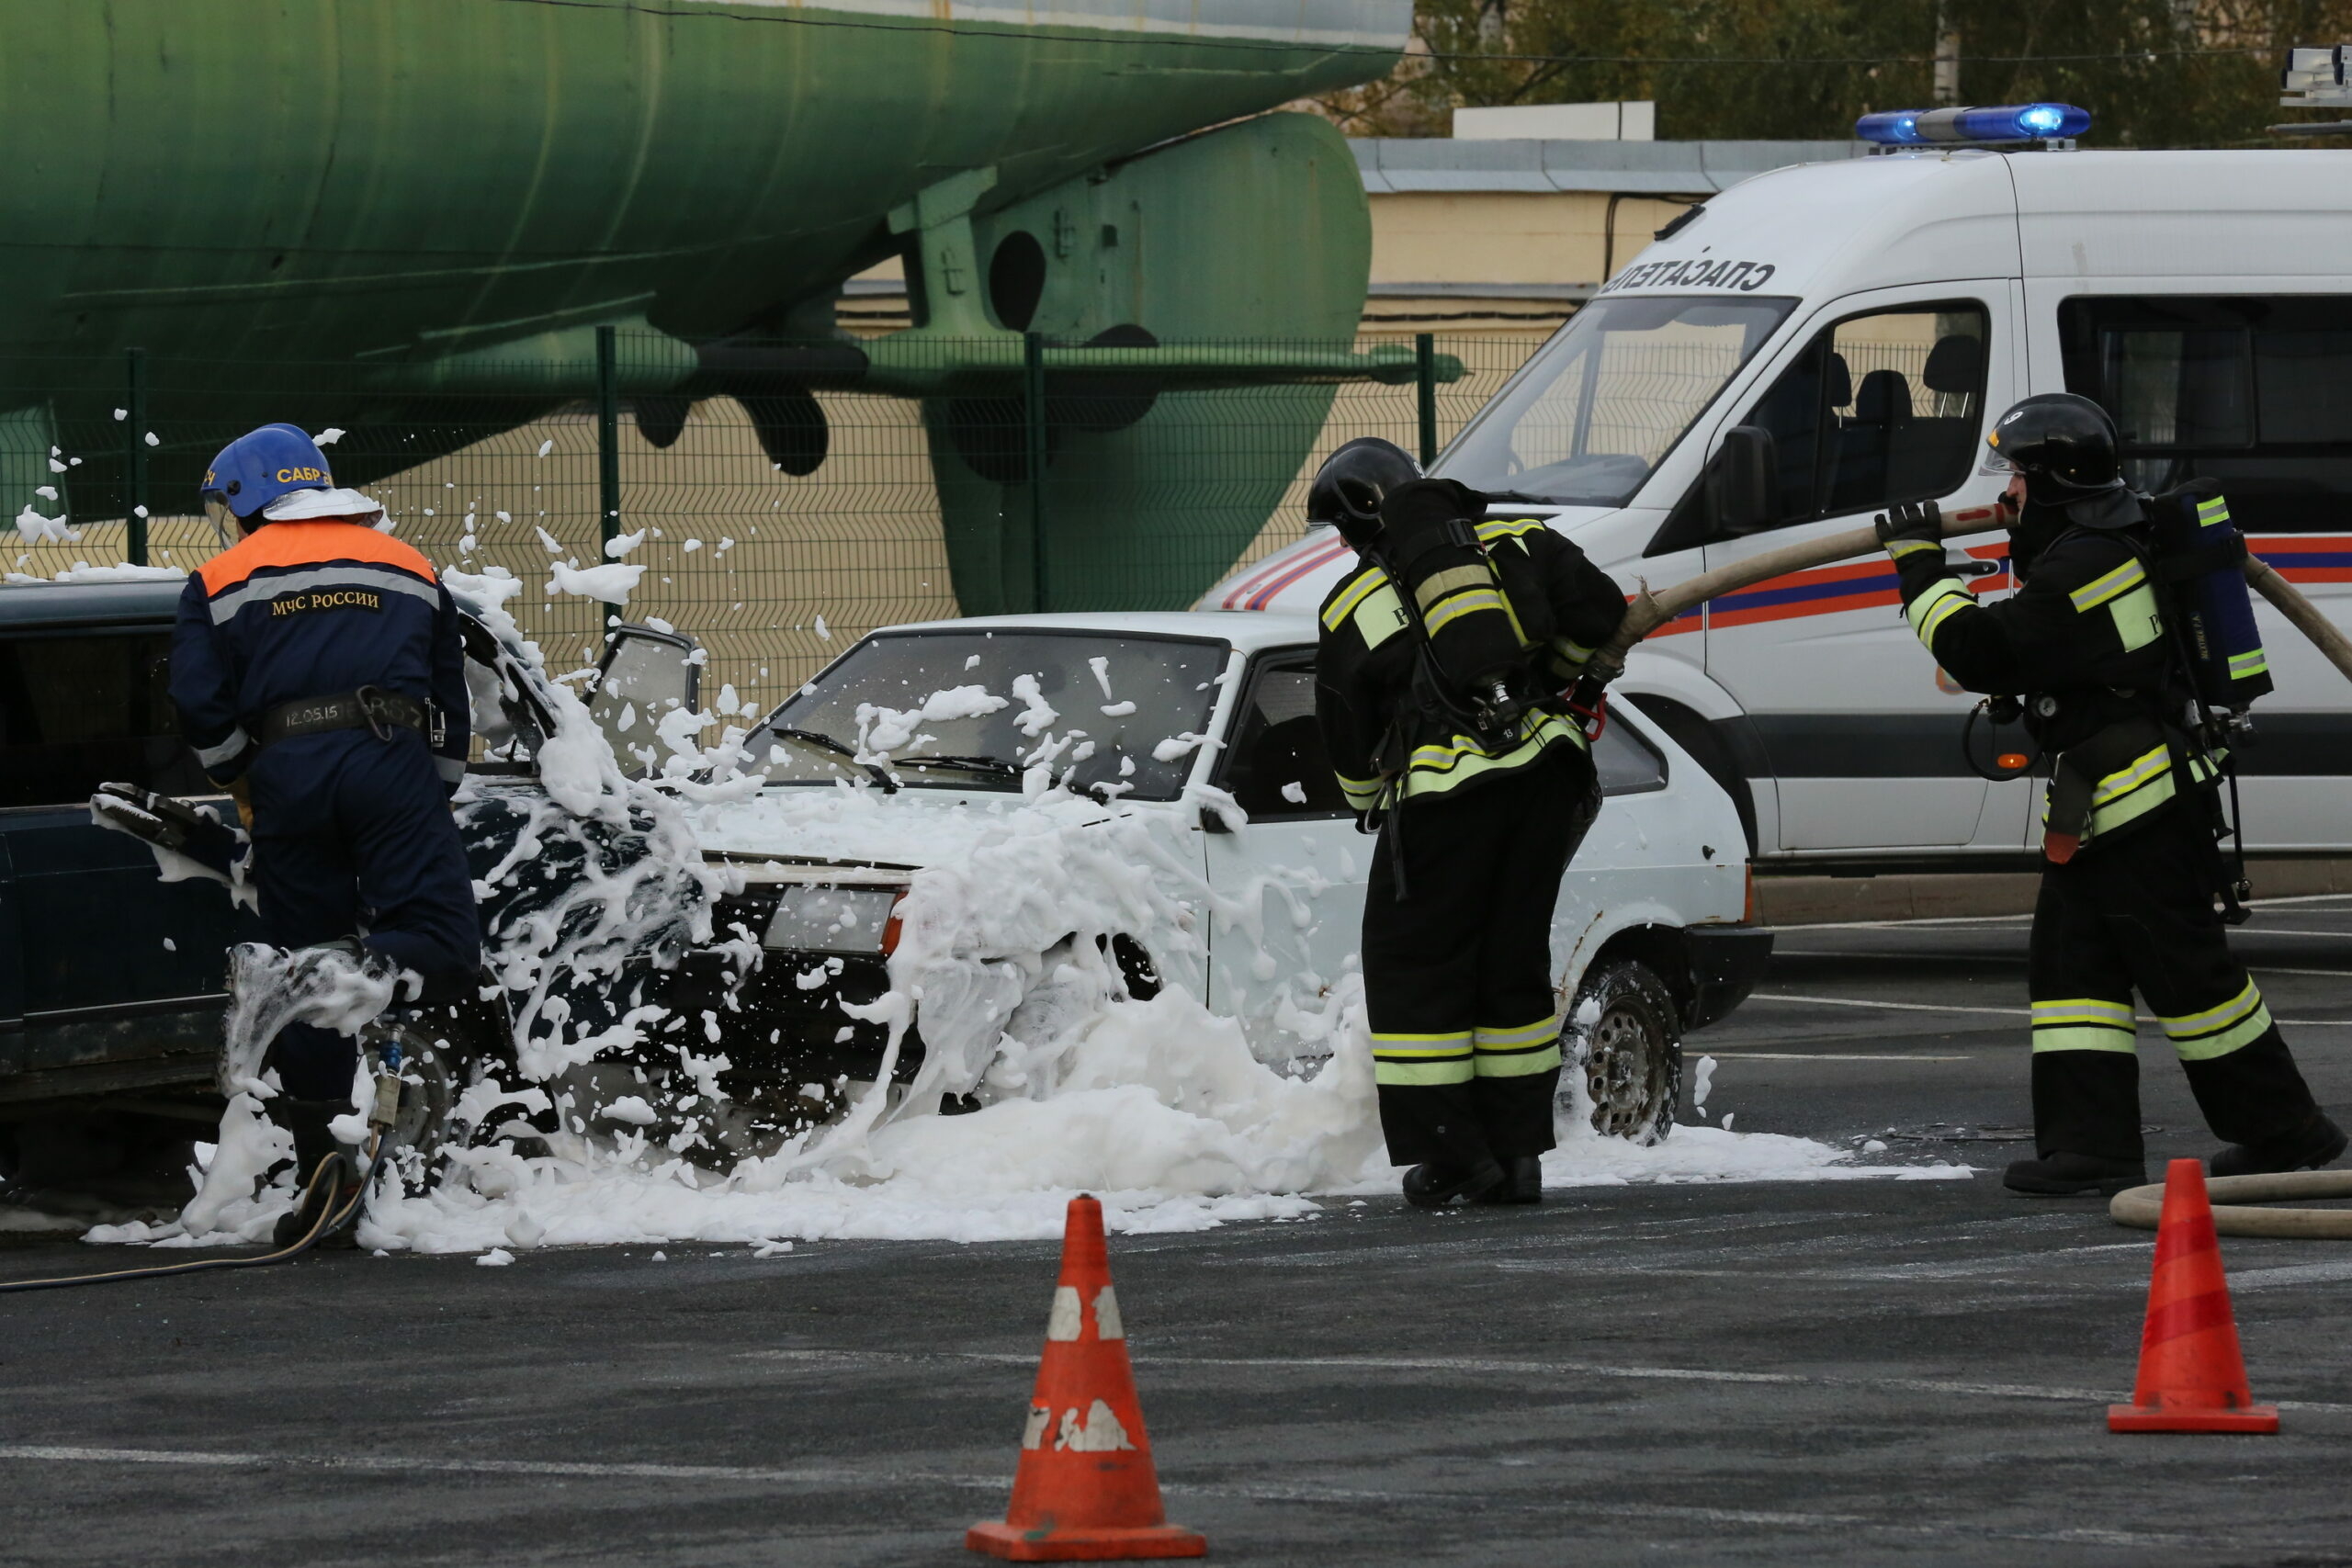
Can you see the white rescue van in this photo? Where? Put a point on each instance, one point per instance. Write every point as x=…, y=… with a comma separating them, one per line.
x=1859, y=324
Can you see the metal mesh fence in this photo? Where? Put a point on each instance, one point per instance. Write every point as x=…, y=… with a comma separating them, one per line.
x=775, y=517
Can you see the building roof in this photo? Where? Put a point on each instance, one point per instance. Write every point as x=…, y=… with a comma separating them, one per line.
x=1401, y=165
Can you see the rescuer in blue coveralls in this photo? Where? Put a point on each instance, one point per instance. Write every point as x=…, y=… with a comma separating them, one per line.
x=319, y=673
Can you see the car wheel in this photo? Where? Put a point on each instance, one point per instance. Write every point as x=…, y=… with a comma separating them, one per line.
x=430, y=1085
x=441, y=1056
x=1633, y=1065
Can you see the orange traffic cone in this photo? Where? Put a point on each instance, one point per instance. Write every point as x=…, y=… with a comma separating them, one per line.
x=2191, y=1377
x=1086, y=1489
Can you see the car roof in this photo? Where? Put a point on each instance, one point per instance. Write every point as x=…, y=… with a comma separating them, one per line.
x=86, y=603
x=1247, y=631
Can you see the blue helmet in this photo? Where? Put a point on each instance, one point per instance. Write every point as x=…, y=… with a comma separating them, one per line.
x=263, y=467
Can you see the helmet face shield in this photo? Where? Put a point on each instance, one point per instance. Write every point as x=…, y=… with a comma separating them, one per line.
x=225, y=526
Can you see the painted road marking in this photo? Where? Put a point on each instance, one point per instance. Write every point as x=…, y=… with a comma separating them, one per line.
x=1896, y=1007
x=1901, y=925
x=2009, y=958
x=1481, y=1366
x=1999, y=1012
x=870, y=1478
x=395, y=1463
x=2257, y=906
x=2276, y=930
x=1821, y=1055
x=2291, y=1274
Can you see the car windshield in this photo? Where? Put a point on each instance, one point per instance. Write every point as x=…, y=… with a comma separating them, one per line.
x=974, y=709
x=1585, y=422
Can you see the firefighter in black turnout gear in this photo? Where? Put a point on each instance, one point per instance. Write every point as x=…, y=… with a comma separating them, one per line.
x=1439, y=680
x=2091, y=651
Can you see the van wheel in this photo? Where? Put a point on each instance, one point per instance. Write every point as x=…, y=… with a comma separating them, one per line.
x=1633, y=1065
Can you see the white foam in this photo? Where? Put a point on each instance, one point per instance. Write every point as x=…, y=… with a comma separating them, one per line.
x=1175, y=1117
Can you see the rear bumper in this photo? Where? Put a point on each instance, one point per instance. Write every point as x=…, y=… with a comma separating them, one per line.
x=1725, y=964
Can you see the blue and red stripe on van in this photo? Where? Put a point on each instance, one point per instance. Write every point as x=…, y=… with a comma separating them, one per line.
x=2306, y=558
x=1261, y=587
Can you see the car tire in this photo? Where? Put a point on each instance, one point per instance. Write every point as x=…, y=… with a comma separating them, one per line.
x=430, y=1081
x=440, y=1059
x=1633, y=1055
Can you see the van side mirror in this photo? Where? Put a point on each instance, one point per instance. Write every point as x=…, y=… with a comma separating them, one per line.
x=1743, y=483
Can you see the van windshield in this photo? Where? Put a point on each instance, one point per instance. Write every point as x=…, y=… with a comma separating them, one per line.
x=1586, y=420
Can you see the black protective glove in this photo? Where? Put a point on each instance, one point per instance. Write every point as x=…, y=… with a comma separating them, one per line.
x=1910, y=524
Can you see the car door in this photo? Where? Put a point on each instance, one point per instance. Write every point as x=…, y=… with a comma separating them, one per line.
x=1883, y=401
x=1298, y=867
x=112, y=973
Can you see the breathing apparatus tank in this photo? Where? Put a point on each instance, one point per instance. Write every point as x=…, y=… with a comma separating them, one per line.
x=2200, y=553
x=1475, y=631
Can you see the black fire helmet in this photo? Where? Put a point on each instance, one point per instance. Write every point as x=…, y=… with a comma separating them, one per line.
x=2064, y=445
x=1353, y=483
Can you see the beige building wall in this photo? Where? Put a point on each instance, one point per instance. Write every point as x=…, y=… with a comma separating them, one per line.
x=1511, y=243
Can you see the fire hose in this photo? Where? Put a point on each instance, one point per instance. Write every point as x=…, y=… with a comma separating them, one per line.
x=1652, y=609
x=330, y=1218
x=2140, y=1207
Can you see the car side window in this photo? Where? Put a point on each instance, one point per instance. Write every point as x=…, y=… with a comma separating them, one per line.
x=1275, y=766
x=2252, y=392
x=1880, y=409
x=82, y=708
x=1627, y=763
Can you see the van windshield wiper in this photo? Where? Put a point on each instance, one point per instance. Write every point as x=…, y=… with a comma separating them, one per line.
x=831, y=747
x=1522, y=497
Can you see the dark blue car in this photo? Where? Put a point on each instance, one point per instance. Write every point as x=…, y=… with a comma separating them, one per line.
x=112, y=977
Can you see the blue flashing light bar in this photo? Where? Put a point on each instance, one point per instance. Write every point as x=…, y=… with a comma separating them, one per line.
x=2010, y=123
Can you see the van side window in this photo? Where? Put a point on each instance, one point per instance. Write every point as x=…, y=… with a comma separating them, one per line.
x=2254, y=391
x=83, y=708
x=1879, y=409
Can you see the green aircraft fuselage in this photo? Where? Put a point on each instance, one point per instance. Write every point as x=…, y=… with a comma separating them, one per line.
x=372, y=198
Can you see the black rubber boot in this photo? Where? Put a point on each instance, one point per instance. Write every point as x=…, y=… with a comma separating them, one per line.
x=1434, y=1186
x=1522, y=1181
x=315, y=1142
x=2315, y=1143
x=2073, y=1176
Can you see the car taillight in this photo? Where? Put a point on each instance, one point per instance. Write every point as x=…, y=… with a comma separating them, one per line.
x=890, y=929
x=1747, y=906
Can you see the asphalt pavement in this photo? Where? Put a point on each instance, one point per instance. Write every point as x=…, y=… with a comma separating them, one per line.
x=1861, y=1371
